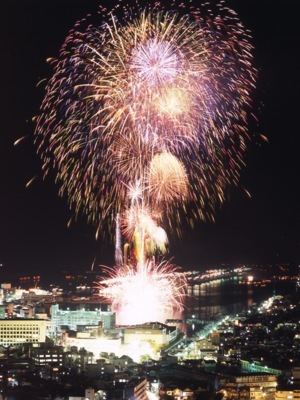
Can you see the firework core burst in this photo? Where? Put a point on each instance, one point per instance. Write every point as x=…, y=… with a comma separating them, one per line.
x=146, y=292
x=145, y=118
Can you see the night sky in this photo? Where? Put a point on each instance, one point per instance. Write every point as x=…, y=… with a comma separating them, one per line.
x=33, y=222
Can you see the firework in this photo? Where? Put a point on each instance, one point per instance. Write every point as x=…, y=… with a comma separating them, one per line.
x=147, y=82
x=140, y=223
x=144, y=122
x=168, y=180
x=146, y=291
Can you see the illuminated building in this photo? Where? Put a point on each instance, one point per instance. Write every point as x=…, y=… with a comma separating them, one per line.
x=153, y=332
x=287, y=394
x=95, y=345
x=254, y=386
x=179, y=393
x=20, y=331
x=45, y=355
x=205, y=349
x=73, y=319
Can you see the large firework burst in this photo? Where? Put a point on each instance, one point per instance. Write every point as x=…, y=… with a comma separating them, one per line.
x=142, y=83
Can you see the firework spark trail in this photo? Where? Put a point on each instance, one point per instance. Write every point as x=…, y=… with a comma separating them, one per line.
x=145, y=118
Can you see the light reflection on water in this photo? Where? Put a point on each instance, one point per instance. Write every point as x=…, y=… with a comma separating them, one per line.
x=231, y=296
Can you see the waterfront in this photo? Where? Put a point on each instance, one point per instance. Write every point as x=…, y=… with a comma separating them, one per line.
x=232, y=296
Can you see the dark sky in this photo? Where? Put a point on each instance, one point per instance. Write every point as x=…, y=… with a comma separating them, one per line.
x=33, y=222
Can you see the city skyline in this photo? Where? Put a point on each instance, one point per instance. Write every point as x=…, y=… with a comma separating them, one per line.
x=262, y=228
